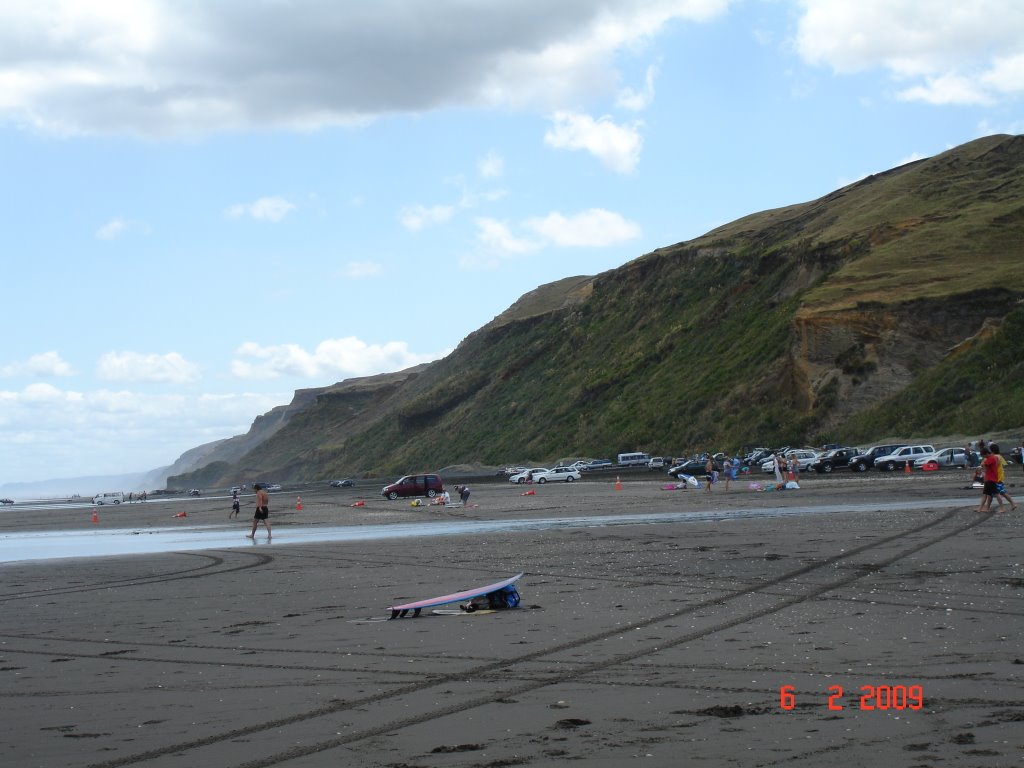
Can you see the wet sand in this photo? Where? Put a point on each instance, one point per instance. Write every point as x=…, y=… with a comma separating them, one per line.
x=664, y=643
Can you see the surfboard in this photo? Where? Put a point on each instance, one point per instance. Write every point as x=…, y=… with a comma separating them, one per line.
x=399, y=611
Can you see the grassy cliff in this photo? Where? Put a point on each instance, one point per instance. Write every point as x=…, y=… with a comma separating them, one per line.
x=890, y=306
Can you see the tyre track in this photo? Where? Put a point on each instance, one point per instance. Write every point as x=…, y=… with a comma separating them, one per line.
x=337, y=705
x=200, y=571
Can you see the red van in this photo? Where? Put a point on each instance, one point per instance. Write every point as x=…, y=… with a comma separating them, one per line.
x=414, y=485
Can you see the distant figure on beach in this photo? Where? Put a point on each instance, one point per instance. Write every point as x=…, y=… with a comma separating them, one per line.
x=990, y=467
x=262, y=511
x=732, y=469
x=779, y=463
x=463, y=491
x=235, y=505
x=1001, y=479
x=709, y=473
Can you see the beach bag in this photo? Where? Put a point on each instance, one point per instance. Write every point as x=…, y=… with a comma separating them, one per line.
x=504, y=598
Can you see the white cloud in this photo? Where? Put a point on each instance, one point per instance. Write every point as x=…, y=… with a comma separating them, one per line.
x=361, y=269
x=616, y=146
x=153, y=67
x=638, y=101
x=340, y=358
x=51, y=433
x=416, y=217
x=592, y=228
x=45, y=364
x=111, y=229
x=951, y=53
x=496, y=237
x=491, y=165
x=135, y=366
x=272, y=209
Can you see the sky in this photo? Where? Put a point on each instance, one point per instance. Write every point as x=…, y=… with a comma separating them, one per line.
x=206, y=205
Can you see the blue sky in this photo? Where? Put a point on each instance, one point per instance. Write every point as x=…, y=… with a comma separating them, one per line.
x=207, y=205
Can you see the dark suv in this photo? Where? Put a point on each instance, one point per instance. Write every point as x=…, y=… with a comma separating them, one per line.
x=834, y=459
x=866, y=460
x=414, y=485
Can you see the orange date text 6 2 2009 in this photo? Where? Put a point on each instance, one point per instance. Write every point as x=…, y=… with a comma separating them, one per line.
x=869, y=697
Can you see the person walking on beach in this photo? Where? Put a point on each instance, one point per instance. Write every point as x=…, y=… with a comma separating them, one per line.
x=732, y=468
x=463, y=491
x=990, y=468
x=262, y=511
x=709, y=473
x=1001, y=479
x=235, y=505
x=779, y=462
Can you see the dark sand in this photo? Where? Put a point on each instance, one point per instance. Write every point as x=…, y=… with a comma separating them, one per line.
x=663, y=645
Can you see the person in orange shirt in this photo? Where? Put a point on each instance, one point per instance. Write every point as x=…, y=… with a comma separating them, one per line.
x=1001, y=479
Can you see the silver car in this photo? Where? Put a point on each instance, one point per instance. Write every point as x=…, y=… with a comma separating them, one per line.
x=947, y=457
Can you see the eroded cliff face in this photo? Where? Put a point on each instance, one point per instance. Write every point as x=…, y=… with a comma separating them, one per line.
x=849, y=359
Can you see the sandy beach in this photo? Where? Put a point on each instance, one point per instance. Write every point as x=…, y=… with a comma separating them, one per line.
x=885, y=605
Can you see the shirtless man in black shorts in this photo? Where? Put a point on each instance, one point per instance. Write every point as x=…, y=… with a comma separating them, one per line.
x=262, y=511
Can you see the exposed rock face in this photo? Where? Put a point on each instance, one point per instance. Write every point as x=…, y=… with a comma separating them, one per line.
x=857, y=357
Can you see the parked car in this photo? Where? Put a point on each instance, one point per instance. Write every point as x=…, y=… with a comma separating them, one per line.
x=527, y=475
x=237, y=488
x=565, y=474
x=898, y=459
x=272, y=487
x=6, y=501
x=866, y=459
x=804, y=459
x=342, y=483
x=656, y=462
x=834, y=459
x=946, y=457
x=599, y=464
x=195, y=492
x=413, y=485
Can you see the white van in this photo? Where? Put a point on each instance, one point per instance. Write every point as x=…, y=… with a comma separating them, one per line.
x=114, y=497
x=633, y=459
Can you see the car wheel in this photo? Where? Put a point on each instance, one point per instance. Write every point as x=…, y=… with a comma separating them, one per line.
x=827, y=469
x=542, y=480
x=393, y=495
x=570, y=479
x=891, y=466
x=116, y=501
x=862, y=467
x=520, y=481
x=431, y=493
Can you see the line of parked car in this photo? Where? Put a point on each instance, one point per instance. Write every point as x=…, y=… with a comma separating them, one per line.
x=885, y=458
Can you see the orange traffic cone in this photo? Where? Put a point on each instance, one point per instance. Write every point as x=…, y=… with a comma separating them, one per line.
x=906, y=467
x=298, y=504
x=95, y=515
x=359, y=503
x=618, y=484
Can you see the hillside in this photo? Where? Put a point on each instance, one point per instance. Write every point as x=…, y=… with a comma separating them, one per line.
x=835, y=319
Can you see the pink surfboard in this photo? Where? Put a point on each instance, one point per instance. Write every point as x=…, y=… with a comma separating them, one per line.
x=398, y=611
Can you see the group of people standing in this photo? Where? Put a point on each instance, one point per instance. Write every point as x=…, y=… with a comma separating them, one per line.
x=728, y=469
